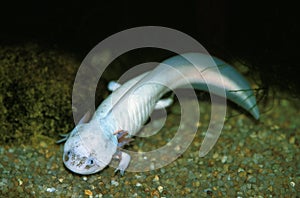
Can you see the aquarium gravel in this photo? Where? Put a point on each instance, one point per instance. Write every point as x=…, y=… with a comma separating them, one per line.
x=251, y=159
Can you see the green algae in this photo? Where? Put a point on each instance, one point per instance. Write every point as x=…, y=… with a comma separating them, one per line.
x=35, y=92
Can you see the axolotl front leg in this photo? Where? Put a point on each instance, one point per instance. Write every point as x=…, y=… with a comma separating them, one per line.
x=124, y=159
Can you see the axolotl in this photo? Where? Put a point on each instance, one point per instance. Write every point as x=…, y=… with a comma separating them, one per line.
x=92, y=145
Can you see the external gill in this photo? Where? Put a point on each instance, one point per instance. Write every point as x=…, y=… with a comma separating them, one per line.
x=123, y=138
x=123, y=157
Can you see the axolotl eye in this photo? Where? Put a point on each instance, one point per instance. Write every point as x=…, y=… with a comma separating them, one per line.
x=90, y=163
x=67, y=156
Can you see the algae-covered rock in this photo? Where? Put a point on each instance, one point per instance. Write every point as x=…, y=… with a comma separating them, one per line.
x=35, y=93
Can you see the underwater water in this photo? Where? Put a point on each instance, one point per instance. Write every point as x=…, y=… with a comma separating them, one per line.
x=251, y=158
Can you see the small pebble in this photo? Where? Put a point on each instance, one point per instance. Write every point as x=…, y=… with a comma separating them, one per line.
x=160, y=189
x=270, y=188
x=292, y=140
x=43, y=144
x=84, y=178
x=156, y=178
x=224, y=159
x=114, y=183
x=177, y=148
x=208, y=191
x=138, y=176
x=20, y=182
x=293, y=184
x=155, y=193
x=51, y=189
x=215, y=156
x=88, y=192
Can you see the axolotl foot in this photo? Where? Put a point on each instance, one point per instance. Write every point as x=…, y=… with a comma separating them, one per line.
x=124, y=159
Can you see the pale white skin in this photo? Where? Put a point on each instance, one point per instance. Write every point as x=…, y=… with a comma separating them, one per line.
x=91, y=146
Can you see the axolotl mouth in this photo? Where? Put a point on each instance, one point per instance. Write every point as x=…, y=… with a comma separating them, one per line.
x=81, y=164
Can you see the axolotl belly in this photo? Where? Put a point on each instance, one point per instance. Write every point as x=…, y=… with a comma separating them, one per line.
x=92, y=145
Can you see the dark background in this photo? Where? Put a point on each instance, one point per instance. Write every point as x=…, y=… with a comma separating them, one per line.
x=264, y=34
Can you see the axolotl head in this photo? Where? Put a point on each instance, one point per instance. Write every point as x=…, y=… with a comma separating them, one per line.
x=88, y=149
